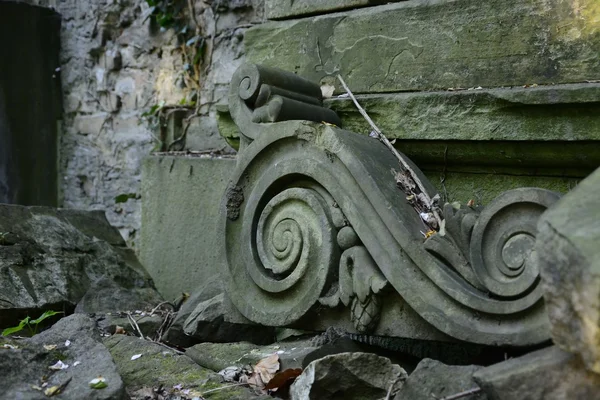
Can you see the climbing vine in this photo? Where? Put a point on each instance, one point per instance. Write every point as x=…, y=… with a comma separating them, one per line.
x=192, y=38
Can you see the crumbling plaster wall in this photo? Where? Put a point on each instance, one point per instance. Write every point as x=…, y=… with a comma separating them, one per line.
x=115, y=67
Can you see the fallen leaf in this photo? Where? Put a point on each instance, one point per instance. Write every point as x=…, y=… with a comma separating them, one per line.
x=67, y=343
x=264, y=371
x=119, y=330
x=51, y=391
x=58, y=366
x=327, y=123
x=283, y=378
x=327, y=91
x=50, y=347
x=135, y=356
x=471, y=203
x=98, y=383
x=36, y=387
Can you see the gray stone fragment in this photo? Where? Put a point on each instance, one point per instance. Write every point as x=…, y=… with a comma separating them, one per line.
x=174, y=334
x=52, y=258
x=547, y=374
x=433, y=379
x=218, y=356
x=24, y=367
x=216, y=320
x=569, y=254
x=348, y=376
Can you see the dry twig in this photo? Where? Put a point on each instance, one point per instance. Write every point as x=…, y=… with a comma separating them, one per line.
x=134, y=325
x=462, y=394
x=400, y=158
x=223, y=388
x=388, y=396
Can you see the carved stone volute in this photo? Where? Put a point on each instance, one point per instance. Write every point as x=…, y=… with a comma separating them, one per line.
x=313, y=224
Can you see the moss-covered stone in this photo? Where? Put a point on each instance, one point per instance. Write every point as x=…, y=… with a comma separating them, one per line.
x=422, y=45
x=218, y=356
x=160, y=366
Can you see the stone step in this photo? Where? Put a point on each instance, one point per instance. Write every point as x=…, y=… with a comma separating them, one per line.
x=438, y=44
x=279, y=9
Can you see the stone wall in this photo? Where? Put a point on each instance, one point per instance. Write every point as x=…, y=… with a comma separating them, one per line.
x=115, y=66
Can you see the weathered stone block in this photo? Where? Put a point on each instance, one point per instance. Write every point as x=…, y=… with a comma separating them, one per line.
x=278, y=9
x=420, y=45
x=433, y=379
x=356, y=375
x=548, y=374
x=180, y=212
x=569, y=255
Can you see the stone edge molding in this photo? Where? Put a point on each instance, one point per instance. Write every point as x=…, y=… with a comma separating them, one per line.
x=312, y=217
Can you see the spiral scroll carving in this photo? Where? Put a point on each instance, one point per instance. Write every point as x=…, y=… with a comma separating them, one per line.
x=303, y=192
x=502, y=247
x=290, y=232
x=281, y=251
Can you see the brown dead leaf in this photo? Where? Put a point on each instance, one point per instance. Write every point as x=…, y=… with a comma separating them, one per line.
x=283, y=378
x=264, y=371
x=119, y=330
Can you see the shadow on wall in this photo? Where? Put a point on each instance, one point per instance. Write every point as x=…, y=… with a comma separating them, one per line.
x=30, y=104
x=5, y=157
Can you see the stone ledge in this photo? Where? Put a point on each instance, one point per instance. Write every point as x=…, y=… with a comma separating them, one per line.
x=280, y=9
x=438, y=44
x=546, y=113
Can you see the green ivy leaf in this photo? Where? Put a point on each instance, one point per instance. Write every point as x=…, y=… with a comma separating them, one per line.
x=14, y=329
x=45, y=315
x=122, y=198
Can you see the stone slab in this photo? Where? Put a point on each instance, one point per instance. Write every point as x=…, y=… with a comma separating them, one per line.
x=435, y=380
x=180, y=210
x=435, y=44
x=218, y=356
x=569, y=259
x=547, y=374
x=545, y=113
x=279, y=9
